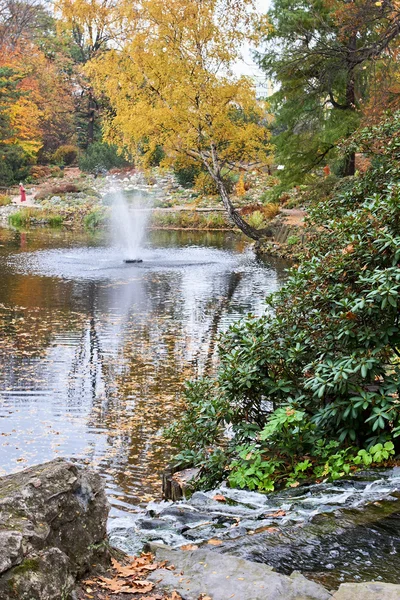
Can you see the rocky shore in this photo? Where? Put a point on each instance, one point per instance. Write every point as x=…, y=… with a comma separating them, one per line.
x=53, y=532
x=53, y=521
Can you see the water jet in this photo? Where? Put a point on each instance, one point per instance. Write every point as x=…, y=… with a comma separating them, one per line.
x=128, y=225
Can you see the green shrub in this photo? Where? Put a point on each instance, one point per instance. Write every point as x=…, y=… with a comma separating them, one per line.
x=256, y=219
x=100, y=156
x=190, y=220
x=293, y=240
x=4, y=200
x=186, y=174
x=94, y=219
x=311, y=388
x=55, y=220
x=156, y=157
x=66, y=155
x=35, y=216
x=15, y=165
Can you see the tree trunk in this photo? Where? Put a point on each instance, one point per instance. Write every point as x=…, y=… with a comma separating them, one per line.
x=91, y=115
x=350, y=159
x=350, y=164
x=251, y=232
x=234, y=216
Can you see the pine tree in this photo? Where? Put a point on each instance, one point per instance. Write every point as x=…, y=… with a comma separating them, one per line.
x=321, y=54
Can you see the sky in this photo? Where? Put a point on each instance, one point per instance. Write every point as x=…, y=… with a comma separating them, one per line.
x=248, y=66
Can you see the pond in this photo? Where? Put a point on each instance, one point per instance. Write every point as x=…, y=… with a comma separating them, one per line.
x=94, y=352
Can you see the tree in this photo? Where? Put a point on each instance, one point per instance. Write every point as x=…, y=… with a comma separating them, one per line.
x=40, y=111
x=18, y=19
x=91, y=25
x=311, y=387
x=322, y=54
x=170, y=84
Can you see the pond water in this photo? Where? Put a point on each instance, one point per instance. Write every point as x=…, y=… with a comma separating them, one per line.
x=94, y=352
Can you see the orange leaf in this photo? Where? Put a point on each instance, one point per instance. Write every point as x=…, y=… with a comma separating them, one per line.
x=278, y=513
x=219, y=498
x=189, y=547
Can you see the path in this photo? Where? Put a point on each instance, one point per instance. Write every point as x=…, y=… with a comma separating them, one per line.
x=16, y=200
x=294, y=216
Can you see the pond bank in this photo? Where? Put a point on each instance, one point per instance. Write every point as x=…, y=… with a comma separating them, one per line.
x=53, y=532
x=82, y=201
x=333, y=532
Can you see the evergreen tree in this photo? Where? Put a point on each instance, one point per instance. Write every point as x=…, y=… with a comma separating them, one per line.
x=10, y=156
x=321, y=54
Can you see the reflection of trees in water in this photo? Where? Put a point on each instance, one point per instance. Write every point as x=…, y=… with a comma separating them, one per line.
x=128, y=353
x=232, y=281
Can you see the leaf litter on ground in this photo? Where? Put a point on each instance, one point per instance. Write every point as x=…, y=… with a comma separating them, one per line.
x=127, y=581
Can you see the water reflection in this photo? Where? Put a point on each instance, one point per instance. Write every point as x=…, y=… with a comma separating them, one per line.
x=94, y=352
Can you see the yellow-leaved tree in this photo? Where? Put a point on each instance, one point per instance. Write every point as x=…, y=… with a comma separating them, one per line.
x=171, y=83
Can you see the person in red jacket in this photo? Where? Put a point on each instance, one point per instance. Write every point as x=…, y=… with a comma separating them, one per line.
x=22, y=191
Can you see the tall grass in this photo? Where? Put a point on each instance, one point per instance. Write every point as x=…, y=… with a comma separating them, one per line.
x=4, y=200
x=95, y=219
x=190, y=220
x=34, y=216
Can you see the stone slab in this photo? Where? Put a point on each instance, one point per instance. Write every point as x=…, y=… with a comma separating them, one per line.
x=223, y=577
x=368, y=591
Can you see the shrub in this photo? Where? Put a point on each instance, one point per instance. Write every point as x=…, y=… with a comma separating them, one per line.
x=40, y=172
x=256, y=219
x=293, y=240
x=205, y=184
x=190, y=220
x=57, y=190
x=311, y=388
x=94, y=219
x=66, y=154
x=15, y=165
x=100, y=156
x=271, y=210
x=156, y=157
x=34, y=216
x=186, y=174
x=4, y=200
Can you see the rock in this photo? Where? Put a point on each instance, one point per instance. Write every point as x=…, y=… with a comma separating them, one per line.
x=221, y=577
x=176, y=484
x=367, y=591
x=52, y=530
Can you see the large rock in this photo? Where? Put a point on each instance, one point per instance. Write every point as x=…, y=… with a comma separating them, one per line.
x=220, y=577
x=52, y=530
x=372, y=590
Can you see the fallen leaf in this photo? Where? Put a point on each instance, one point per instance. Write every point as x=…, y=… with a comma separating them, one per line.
x=116, y=586
x=219, y=498
x=278, y=513
x=261, y=529
x=214, y=542
x=189, y=547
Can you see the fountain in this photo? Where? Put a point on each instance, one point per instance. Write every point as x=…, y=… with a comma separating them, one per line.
x=128, y=226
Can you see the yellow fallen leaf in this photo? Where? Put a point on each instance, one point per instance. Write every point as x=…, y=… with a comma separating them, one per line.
x=214, y=542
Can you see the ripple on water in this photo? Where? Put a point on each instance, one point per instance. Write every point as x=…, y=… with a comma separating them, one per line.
x=94, y=352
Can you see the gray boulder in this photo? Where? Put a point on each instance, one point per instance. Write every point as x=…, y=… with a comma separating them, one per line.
x=220, y=577
x=52, y=530
x=372, y=590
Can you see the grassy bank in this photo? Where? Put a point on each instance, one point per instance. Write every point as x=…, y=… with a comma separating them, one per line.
x=190, y=220
x=27, y=217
